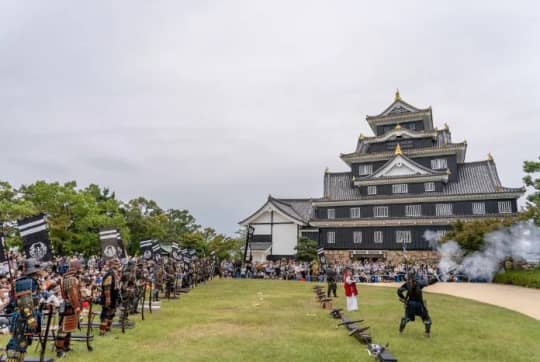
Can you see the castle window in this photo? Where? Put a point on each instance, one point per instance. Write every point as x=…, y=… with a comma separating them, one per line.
x=403, y=236
x=429, y=186
x=478, y=208
x=366, y=169
x=355, y=212
x=443, y=209
x=378, y=236
x=372, y=190
x=331, y=213
x=505, y=207
x=331, y=237
x=413, y=210
x=380, y=211
x=400, y=189
x=439, y=163
x=357, y=237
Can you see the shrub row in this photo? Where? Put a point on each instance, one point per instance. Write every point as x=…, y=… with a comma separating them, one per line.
x=524, y=278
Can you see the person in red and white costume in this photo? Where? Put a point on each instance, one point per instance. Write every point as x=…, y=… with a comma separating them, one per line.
x=350, y=290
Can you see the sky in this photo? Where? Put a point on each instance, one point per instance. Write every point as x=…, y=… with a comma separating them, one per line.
x=211, y=106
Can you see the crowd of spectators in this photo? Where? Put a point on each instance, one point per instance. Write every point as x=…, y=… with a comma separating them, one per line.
x=364, y=271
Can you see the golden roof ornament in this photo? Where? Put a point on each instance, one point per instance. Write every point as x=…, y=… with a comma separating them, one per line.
x=361, y=136
x=326, y=170
x=490, y=157
x=398, y=126
x=354, y=178
x=445, y=126
x=398, y=150
x=397, y=96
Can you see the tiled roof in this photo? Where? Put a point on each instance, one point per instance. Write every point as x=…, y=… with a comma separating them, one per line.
x=472, y=178
x=295, y=208
x=260, y=245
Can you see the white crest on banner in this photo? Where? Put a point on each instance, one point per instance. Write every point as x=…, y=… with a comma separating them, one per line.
x=38, y=250
x=110, y=251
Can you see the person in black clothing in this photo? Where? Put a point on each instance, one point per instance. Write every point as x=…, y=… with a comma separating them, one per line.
x=414, y=301
x=331, y=277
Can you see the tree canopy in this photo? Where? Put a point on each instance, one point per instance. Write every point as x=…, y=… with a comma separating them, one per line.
x=75, y=216
x=532, y=180
x=306, y=250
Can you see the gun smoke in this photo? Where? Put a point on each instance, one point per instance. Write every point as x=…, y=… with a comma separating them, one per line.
x=520, y=241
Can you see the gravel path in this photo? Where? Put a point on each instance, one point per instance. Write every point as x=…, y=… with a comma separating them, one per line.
x=519, y=299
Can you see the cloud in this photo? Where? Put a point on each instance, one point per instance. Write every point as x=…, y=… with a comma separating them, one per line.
x=211, y=106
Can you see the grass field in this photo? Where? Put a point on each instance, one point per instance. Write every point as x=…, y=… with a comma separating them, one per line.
x=263, y=320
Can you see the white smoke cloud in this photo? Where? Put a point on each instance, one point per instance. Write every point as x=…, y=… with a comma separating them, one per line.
x=520, y=241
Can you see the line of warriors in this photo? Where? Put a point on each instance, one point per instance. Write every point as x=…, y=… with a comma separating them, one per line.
x=122, y=292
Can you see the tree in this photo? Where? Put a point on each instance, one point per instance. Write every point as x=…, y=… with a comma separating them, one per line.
x=306, y=250
x=145, y=220
x=75, y=216
x=13, y=207
x=470, y=235
x=532, y=179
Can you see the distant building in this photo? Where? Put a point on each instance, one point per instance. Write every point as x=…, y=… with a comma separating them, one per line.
x=407, y=179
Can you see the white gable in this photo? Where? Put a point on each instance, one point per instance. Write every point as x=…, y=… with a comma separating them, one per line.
x=399, y=107
x=263, y=216
x=400, y=166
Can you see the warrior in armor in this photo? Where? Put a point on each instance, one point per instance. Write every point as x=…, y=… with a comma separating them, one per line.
x=414, y=301
x=128, y=297
x=128, y=287
x=110, y=296
x=26, y=318
x=170, y=276
x=159, y=276
x=71, y=308
x=140, y=285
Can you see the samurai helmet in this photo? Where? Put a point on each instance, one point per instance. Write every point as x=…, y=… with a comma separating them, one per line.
x=75, y=265
x=31, y=266
x=115, y=264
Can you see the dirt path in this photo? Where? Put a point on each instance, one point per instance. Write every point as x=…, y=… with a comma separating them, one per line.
x=519, y=299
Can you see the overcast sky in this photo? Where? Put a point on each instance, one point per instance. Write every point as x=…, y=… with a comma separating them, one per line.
x=211, y=106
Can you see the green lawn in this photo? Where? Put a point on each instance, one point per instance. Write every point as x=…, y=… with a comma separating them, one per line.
x=263, y=320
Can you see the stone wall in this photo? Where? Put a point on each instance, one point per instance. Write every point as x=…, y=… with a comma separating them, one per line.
x=425, y=256
x=392, y=256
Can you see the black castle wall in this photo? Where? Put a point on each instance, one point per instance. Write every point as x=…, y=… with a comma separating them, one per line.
x=344, y=238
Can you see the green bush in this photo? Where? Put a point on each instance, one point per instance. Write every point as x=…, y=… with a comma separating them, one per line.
x=524, y=278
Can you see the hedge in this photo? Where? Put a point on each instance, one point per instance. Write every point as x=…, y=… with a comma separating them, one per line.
x=524, y=278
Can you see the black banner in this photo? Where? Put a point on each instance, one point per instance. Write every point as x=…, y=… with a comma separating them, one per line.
x=249, y=238
x=156, y=251
x=3, y=256
x=35, y=235
x=111, y=244
x=146, y=249
x=175, y=252
x=322, y=259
